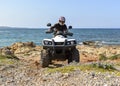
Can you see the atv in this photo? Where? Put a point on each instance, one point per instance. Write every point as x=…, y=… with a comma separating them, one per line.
x=59, y=48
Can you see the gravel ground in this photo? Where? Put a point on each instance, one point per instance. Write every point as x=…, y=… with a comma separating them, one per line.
x=30, y=74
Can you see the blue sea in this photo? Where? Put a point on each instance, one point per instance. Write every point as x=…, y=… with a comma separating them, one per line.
x=12, y=35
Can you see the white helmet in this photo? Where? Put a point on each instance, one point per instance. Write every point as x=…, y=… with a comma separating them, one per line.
x=62, y=19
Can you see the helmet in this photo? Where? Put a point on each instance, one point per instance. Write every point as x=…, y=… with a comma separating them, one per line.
x=62, y=19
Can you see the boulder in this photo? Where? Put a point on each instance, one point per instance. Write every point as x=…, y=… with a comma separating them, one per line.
x=22, y=50
x=19, y=45
x=92, y=43
x=6, y=51
x=29, y=44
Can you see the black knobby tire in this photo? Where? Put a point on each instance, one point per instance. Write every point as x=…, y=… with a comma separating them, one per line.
x=45, y=60
x=69, y=58
x=74, y=56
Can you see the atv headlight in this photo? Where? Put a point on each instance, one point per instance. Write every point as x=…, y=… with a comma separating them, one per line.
x=68, y=43
x=47, y=43
x=71, y=42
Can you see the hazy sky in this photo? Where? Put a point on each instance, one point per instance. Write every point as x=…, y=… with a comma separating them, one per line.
x=78, y=13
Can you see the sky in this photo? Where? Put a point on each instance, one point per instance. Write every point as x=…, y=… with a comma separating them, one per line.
x=78, y=13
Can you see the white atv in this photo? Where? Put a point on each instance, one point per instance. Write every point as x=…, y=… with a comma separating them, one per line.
x=59, y=48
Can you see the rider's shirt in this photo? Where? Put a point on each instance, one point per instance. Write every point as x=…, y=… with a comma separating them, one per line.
x=59, y=27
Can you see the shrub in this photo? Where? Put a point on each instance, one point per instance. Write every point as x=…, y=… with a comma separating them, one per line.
x=102, y=57
x=115, y=57
x=8, y=59
x=103, y=66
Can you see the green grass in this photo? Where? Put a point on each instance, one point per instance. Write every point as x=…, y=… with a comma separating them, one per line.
x=7, y=59
x=117, y=73
x=117, y=64
x=98, y=67
x=26, y=54
x=102, y=57
x=114, y=57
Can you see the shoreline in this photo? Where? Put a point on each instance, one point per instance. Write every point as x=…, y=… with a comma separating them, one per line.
x=79, y=44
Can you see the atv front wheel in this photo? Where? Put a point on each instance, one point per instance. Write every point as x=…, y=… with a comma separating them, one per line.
x=45, y=60
x=74, y=56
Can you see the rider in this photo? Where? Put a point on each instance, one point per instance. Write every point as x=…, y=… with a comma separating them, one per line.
x=60, y=26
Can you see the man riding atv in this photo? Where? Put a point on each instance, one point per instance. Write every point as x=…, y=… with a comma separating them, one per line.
x=59, y=47
x=61, y=26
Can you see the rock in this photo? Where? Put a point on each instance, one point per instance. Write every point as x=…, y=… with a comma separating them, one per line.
x=89, y=43
x=7, y=67
x=92, y=43
x=23, y=48
x=6, y=51
x=0, y=50
x=17, y=45
x=29, y=44
x=93, y=74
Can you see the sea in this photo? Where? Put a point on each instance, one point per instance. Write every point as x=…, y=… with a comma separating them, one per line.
x=8, y=36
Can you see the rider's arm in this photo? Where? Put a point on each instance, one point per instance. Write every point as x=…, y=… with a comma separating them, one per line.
x=65, y=29
x=52, y=28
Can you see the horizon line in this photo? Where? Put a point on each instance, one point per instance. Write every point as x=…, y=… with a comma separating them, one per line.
x=47, y=27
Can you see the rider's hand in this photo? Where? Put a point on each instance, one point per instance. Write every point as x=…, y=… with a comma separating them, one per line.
x=48, y=31
x=65, y=32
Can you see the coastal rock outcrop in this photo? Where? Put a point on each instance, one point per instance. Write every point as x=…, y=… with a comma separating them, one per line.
x=22, y=50
x=92, y=53
x=18, y=45
x=87, y=53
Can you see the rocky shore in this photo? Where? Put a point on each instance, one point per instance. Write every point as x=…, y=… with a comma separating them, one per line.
x=19, y=66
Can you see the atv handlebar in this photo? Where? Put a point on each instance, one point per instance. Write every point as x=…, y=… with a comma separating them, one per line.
x=69, y=34
x=60, y=33
x=48, y=31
